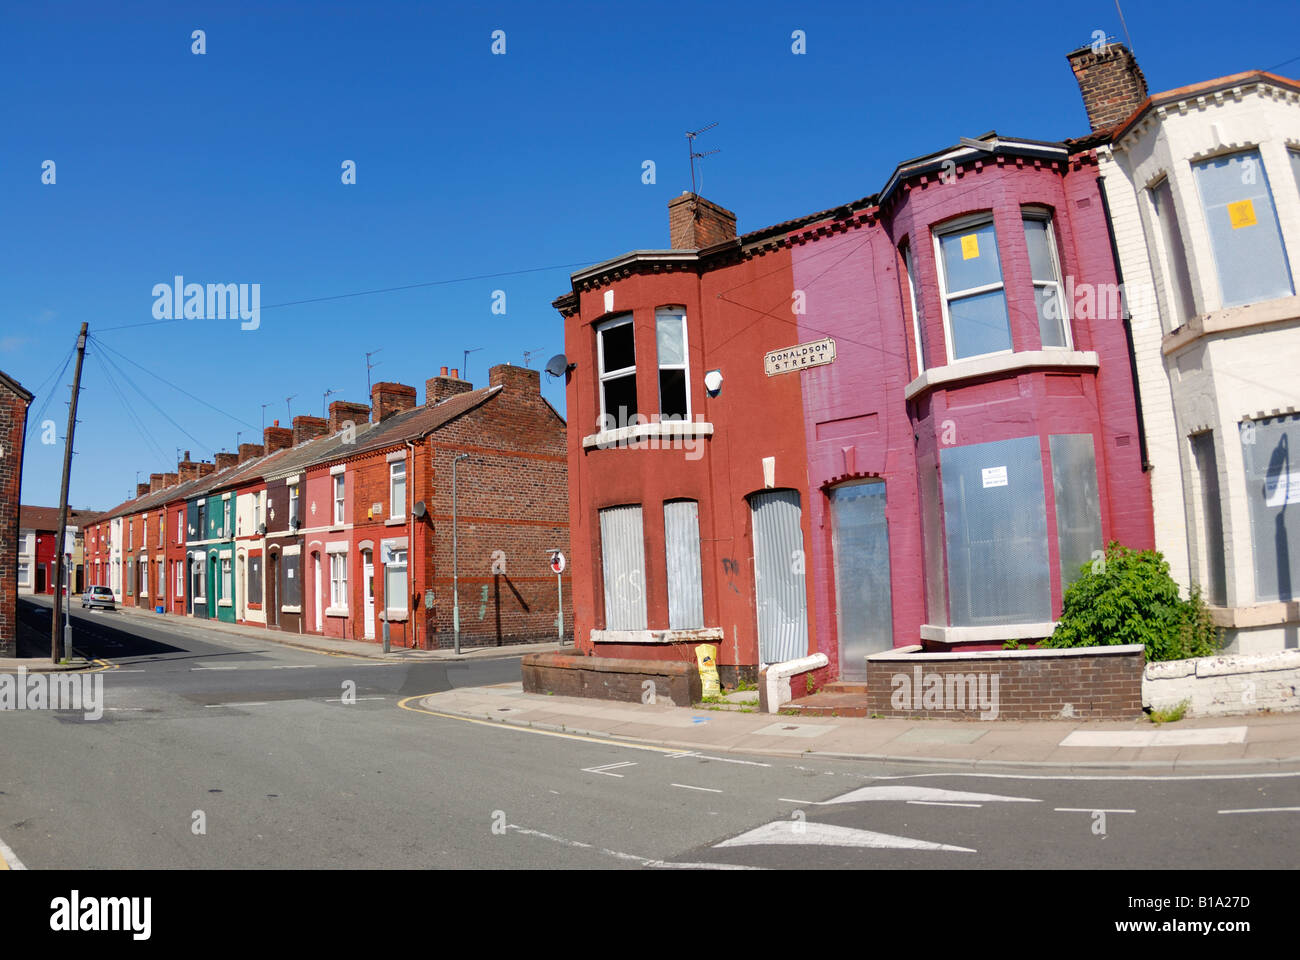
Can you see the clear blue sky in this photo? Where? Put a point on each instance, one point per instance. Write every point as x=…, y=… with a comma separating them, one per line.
x=226, y=168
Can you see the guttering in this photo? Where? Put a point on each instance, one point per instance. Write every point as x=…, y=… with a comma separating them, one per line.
x=935, y=162
x=635, y=256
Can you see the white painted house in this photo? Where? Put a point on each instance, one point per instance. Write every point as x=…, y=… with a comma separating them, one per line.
x=1203, y=186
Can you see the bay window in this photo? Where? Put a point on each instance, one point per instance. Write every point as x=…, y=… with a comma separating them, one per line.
x=616, y=356
x=970, y=282
x=1244, y=232
x=674, y=367
x=1045, y=269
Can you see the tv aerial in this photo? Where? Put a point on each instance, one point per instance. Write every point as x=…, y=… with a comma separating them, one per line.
x=693, y=153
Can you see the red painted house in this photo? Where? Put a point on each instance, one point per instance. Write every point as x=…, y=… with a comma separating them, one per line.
x=906, y=420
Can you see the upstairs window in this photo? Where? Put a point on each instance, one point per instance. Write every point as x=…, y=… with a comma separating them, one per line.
x=338, y=498
x=293, y=505
x=160, y=529
x=1295, y=165
x=906, y=251
x=180, y=527
x=1243, y=227
x=1175, y=253
x=1045, y=268
x=674, y=376
x=970, y=280
x=397, y=489
x=616, y=353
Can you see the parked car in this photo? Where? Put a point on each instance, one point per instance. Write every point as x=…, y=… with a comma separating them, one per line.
x=98, y=597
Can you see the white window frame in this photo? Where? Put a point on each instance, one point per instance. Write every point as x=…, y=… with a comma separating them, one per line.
x=606, y=375
x=295, y=519
x=24, y=573
x=395, y=510
x=226, y=581
x=338, y=581
x=684, y=366
x=180, y=528
x=162, y=579
x=394, y=566
x=910, y=266
x=1045, y=216
x=339, y=497
x=144, y=536
x=181, y=567
x=957, y=226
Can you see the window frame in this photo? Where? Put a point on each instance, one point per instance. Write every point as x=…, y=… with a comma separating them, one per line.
x=1046, y=216
x=294, y=514
x=391, y=569
x=937, y=233
x=340, y=497
x=603, y=376
x=393, y=468
x=338, y=581
x=678, y=313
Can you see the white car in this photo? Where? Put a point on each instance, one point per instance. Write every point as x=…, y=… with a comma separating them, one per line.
x=101, y=597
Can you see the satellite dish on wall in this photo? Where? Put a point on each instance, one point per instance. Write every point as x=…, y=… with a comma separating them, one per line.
x=558, y=365
x=418, y=510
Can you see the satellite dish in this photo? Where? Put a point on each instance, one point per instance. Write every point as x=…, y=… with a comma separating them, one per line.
x=558, y=365
x=419, y=510
x=261, y=528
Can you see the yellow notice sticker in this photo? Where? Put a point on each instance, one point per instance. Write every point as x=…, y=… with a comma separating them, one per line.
x=970, y=246
x=1242, y=214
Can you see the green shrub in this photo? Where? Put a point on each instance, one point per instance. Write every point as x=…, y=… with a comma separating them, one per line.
x=1129, y=597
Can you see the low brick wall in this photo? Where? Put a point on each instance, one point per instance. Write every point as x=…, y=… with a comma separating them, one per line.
x=611, y=678
x=1218, y=686
x=1089, y=683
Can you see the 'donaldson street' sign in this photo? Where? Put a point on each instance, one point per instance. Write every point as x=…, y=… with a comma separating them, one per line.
x=813, y=354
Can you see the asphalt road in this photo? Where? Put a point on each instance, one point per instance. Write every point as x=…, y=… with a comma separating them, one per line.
x=218, y=751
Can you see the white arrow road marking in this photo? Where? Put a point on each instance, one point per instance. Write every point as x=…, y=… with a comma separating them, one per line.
x=1202, y=736
x=1090, y=810
x=687, y=786
x=944, y=803
x=604, y=770
x=1264, y=810
x=923, y=793
x=828, y=835
x=703, y=865
x=705, y=756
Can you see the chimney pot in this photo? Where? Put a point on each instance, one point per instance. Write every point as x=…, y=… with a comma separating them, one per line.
x=442, y=372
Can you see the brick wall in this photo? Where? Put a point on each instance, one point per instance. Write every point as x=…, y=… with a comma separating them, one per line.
x=694, y=222
x=1020, y=685
x=512, y=497
x=13, y=426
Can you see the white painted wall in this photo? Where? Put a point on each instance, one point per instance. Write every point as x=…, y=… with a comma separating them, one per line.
x=1224, y=366
x=1216, y=686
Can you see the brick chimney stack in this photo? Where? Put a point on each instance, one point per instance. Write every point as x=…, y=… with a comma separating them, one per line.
x=439, y=388
x=694, y=223
x=206, y=468
x=342, y=412
x=171, y=479
x=308, y=428
x=156, y=482
x=1110, y=81
x=187, y=469
x=387, y=399
x=517, y=380
x=276, y=437
x=141, y=489
x=225, y=460
x=250, y=451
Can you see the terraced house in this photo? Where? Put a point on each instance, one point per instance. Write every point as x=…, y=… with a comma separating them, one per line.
x=1203, y=184
x=343, y=526
x=903, y=420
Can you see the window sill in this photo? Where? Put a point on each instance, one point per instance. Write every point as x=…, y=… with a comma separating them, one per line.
x=700, y=634
x=664, y=429
x=396, y=616
x=1268, y=613
x=395, y=522
x=336, y=611
x=225, y=603
x=997, y=364
x=955, y=636
x=254, y=606
x=292, y=609
x=1231, y=319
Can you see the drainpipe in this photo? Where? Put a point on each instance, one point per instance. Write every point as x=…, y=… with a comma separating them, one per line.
x=410, y=540
x=1128, y=326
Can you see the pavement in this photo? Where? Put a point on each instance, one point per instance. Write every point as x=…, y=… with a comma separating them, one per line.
x=1262, y=740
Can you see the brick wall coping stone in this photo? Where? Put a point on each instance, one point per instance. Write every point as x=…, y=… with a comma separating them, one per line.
x=1223, y=666
x=698, y=635
x=567, y=661
x=1126, y=649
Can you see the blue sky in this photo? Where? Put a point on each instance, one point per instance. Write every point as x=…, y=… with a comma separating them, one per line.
x=226, y=168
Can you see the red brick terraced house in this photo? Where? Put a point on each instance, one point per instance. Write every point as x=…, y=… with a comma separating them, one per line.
x=904, y=420
x=15, y=400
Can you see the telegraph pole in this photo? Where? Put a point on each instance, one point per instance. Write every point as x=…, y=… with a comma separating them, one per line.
x=56, y=628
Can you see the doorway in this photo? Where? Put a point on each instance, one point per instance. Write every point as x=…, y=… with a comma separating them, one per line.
x=781, y=596
x=863, y=604
x=368, y=585
x=273, y=589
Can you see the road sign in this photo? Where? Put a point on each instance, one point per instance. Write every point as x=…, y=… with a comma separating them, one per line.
x=557, y=562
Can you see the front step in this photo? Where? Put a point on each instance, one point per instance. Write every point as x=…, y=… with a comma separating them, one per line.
x=846, y=686
x=830, y=703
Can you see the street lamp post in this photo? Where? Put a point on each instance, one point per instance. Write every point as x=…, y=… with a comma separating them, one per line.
x=455, y=570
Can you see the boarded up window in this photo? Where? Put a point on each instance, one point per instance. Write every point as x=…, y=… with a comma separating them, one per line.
x=622, y=546
x=682, y=548
x=995, y=522
x=1078, y=503
x=1243, y=229
x=1273, y=490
